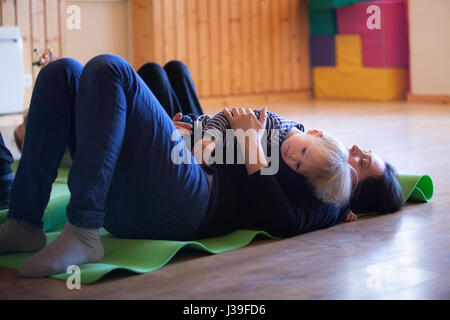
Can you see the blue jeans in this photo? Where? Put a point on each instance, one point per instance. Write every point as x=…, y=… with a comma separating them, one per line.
x=119, y=137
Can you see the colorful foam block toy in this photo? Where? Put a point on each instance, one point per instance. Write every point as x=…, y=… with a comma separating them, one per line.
x=360, y=83
x=383, y=29
x=348, y=50
x=322, y=22
x=327, y=4
x=322, y=50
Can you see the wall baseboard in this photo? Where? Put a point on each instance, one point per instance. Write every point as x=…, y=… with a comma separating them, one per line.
x=443, y=99
x=259, y=98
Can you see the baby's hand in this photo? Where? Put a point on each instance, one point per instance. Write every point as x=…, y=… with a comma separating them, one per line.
x=184, y=129
x=351, y=217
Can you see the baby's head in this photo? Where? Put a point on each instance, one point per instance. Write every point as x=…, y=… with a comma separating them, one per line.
x=323, y=160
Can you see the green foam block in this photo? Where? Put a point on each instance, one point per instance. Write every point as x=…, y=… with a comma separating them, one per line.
x=322, y=22
x=328, y=4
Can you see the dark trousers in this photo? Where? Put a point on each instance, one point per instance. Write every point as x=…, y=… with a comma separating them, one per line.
x=173, y=86
x=6, y=159
x=121, y=140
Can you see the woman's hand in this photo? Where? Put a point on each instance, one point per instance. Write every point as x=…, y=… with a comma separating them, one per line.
x=253, y=128
x=245, y=119
x=202, y=151
x=184, y=129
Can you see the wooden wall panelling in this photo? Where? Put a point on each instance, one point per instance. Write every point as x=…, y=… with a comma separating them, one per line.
x=52, y=26
x=204, y=50
x=180, y=30
x=285, y=46
x=276, y=46
x=266, y=44
x=168, y=30
x=246, y=45
x=142, y=21
x=294, y=39
x=8, y=12
x=257, y=68
x=37, y=30
x=157, y=32
x=235, y=47
x=225, y=47
x=24, y=23
x=302, y=54
x=231, y=47
x=214, y=40
x=192, y=41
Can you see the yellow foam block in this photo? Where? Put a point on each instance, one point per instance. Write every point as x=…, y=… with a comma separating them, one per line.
x=348, y=50
x=360, y=83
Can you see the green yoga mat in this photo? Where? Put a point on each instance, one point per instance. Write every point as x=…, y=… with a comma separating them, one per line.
x=143, y=256
x=140, y=256
x=417, y=188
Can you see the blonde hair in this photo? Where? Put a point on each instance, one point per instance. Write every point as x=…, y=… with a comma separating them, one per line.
x=331, y=177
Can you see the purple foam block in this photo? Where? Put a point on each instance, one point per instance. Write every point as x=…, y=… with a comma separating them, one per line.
x=322, y=50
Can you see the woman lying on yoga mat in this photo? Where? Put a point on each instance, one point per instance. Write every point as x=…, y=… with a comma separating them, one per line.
x=122, y=176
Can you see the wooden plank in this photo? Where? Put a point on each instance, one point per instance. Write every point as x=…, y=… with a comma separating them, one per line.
x=256, y=48
x=235, y=48
x=168, y=28
x=180, y=30
x=38, y=30
x=266, y=49
x=142, y=32
x=23, y=21
x=214, y=40
x=285, y=46
x=192, y=43
x=52, y=26
x=204, y=54
x=157, y=34
x=295, y=43
x=246, y=45
x=276, y=47
x=225, y=47
x=8, y=13
x=303, y=53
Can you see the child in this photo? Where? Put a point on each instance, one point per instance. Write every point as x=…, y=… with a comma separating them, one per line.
x=316, y=155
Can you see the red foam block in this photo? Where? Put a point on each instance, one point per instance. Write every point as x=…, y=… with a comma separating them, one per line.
x=383, y=29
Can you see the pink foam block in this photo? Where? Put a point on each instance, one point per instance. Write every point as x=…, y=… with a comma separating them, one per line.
x=384, y=40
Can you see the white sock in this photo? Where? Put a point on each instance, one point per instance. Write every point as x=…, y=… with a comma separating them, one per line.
x=74, y=246
x=20, y=236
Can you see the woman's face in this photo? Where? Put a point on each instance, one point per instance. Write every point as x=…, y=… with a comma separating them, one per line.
x=366, y=163
x=299, y=151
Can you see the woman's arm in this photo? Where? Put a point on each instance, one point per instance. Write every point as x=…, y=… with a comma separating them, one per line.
x=252, y=128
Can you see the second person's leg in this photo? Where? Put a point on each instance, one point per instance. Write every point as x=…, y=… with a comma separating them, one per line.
x=183, y=85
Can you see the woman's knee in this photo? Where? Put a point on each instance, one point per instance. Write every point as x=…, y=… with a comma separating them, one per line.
x=60, y=70
x=110, y=64
x=151, y=71
x=176, y=68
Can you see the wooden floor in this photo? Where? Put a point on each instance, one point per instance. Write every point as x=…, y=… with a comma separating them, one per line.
x=401, y=256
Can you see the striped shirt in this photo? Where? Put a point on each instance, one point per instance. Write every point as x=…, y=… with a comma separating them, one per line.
x=215, y=126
